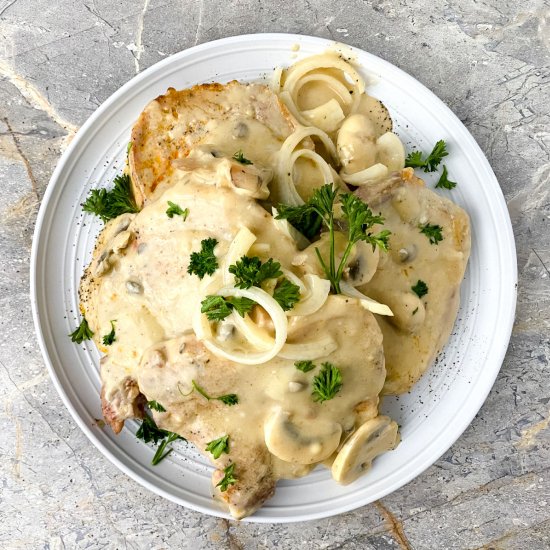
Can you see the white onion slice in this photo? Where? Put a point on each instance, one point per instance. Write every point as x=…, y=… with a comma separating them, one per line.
x=309, y=350
x=254, y=334
x=293, y=278
x=326, y=116
x=323, y=61
x=275, y=83
x=237, y=249
x=202, y=329
x=368, y=303
x=315, y=297
x=368, y=176
x=287, y=156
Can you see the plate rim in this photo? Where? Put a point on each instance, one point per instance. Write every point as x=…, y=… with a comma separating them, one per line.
x=474, y=404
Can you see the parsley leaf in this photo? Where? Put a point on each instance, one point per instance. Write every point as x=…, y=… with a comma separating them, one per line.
x=218, y=308
x=215, y=308
x=360, y=220
x=241, y=304
x=239, y=157
x=304, y=366
x=218, y=446
x=83, y=332
x=444, y=182
x=252, y=272
x=286, y=294
x=327, y=383
x=110, y=204
x=433, y=232
x=108, y=339
x=432, y=161
x=420, y=289
x=204, y=262
x=174, y=209
x=156, y=406
x=303, y=218
x=228, y=399
x=228, y=478
x=149, y=431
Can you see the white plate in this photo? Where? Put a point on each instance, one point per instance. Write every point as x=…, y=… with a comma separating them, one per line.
x=440, y=406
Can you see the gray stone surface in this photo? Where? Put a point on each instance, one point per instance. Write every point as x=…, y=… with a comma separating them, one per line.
x=488, y=60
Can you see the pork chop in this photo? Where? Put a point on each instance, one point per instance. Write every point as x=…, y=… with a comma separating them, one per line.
x=230, y=117
x=423, y=317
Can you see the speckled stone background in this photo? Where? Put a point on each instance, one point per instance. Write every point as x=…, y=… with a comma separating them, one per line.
x=489, y=60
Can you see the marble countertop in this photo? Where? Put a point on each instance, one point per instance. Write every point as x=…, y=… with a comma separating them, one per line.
x=489, y=61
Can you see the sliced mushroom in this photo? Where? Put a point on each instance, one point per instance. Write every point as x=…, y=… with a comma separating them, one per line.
x=391, y=151
x=408, y=310
x=407, y=205
x=356, y=455
x=251, y=179
x=300, y=441
x=133, y=287
x=377, y=113
x=366, y=410
x=362, y=264
x=356, y=144
x=241, y=130
x=121, y=241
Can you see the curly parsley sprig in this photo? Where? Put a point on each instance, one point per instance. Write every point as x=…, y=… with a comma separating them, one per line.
x=217, y=308
x=218, y=446
x=204, y=262
x=432, y=161
x=110, y=338
x=149, y=431
x=359, y=219
x=251, y=271
x=228, y=478
x=327, y=383
x=432, y=231
x=108, y=204
x=83, y=332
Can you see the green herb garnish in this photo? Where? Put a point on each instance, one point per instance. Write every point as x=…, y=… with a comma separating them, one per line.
x=218, y=308
x=286, y=294
x=110, y=204
x=433, y=232
x=175, y=210
x=359, y=220
x=228, y=478
x=149, y=431
x=83, y=332
x=156, y=406
x=204, y=262
x=444, y=182
x=304, y=366
x=239, y=157
x=303, y=218
x=218, y=446
x=229, y=399
x=420, y=289
x=431, y=162
x=327, y=383
x=252, y=272
x=108, y=339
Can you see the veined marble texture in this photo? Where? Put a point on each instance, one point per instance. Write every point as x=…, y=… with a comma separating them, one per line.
x=489, y=61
